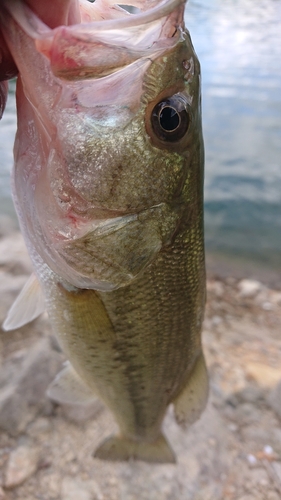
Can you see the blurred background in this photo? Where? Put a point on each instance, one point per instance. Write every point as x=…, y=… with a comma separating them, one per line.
x=239, y=46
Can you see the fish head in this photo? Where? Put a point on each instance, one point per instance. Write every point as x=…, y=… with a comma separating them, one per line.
x=120, y=129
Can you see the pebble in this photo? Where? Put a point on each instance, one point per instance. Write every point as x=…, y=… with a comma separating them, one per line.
x=276, y=297
x=252, y=460
x=22, y=463
x=266, y=376
x=216, y=320
x=74, y=489
x=79, y=414
x=267, y=306
x=249, y=288
x=215, y=287
x=268, y=450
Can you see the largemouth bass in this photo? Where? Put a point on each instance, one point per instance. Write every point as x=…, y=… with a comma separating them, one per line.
x=108, y=186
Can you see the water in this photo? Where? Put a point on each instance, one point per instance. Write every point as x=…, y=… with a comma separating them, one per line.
x=239, y=46
x=7, y=134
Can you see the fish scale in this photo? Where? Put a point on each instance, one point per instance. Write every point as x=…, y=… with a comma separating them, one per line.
x=109, y=193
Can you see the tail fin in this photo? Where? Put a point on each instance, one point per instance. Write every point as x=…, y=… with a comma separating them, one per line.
x=120, y=449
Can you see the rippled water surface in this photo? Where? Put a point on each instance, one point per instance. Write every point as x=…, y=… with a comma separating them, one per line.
x=239, y=46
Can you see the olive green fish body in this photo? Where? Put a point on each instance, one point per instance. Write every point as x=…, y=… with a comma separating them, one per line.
x=137, y=345
x=108, y=182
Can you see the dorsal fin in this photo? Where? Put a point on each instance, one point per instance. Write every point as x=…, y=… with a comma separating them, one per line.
x=69, y=388
x=28, y=305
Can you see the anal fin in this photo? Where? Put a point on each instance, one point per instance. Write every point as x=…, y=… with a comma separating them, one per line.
x=192, y=400
x=69, y=388
x=117, y=448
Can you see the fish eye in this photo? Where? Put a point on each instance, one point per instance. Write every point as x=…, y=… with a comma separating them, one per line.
x=170, y=119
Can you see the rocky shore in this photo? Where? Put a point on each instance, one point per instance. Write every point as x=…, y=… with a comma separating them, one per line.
x=232, y=453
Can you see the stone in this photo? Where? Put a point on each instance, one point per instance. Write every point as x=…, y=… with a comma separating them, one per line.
x=81, y=413
x=275, y=297
x=249, y=288
x=266, y=376
x=23, y=396
x=73, y=489
x=22, y=463
x=215, y=287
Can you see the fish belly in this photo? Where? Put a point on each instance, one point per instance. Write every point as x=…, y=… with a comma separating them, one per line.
x=136, y=346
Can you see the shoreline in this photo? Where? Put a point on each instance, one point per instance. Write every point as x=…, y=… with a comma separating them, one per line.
x=218, y=265
x=223, y=266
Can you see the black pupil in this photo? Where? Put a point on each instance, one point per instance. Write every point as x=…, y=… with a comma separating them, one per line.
x=169, y=119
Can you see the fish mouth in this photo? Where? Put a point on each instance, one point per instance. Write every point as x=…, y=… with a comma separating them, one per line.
x=144, y=12
x=113, y=252
x=93, y=49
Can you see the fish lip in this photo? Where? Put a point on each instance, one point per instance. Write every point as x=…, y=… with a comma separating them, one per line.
x=161, y=10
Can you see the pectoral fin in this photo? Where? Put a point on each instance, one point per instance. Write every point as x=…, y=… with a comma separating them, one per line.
x=68, y=388
x=192, y=400
x=122, y=449
x=28, y=305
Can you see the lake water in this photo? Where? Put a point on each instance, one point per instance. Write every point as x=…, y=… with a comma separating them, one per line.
x=239, y=45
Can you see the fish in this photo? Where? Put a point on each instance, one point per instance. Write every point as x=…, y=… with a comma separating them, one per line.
x=108, y=187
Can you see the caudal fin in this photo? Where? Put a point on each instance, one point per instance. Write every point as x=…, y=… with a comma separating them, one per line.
x=121, y=449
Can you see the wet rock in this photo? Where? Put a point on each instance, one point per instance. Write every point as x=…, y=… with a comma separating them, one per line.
x=249, y=288
x=22, y=463
x=73, y=489
x=23, y=395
